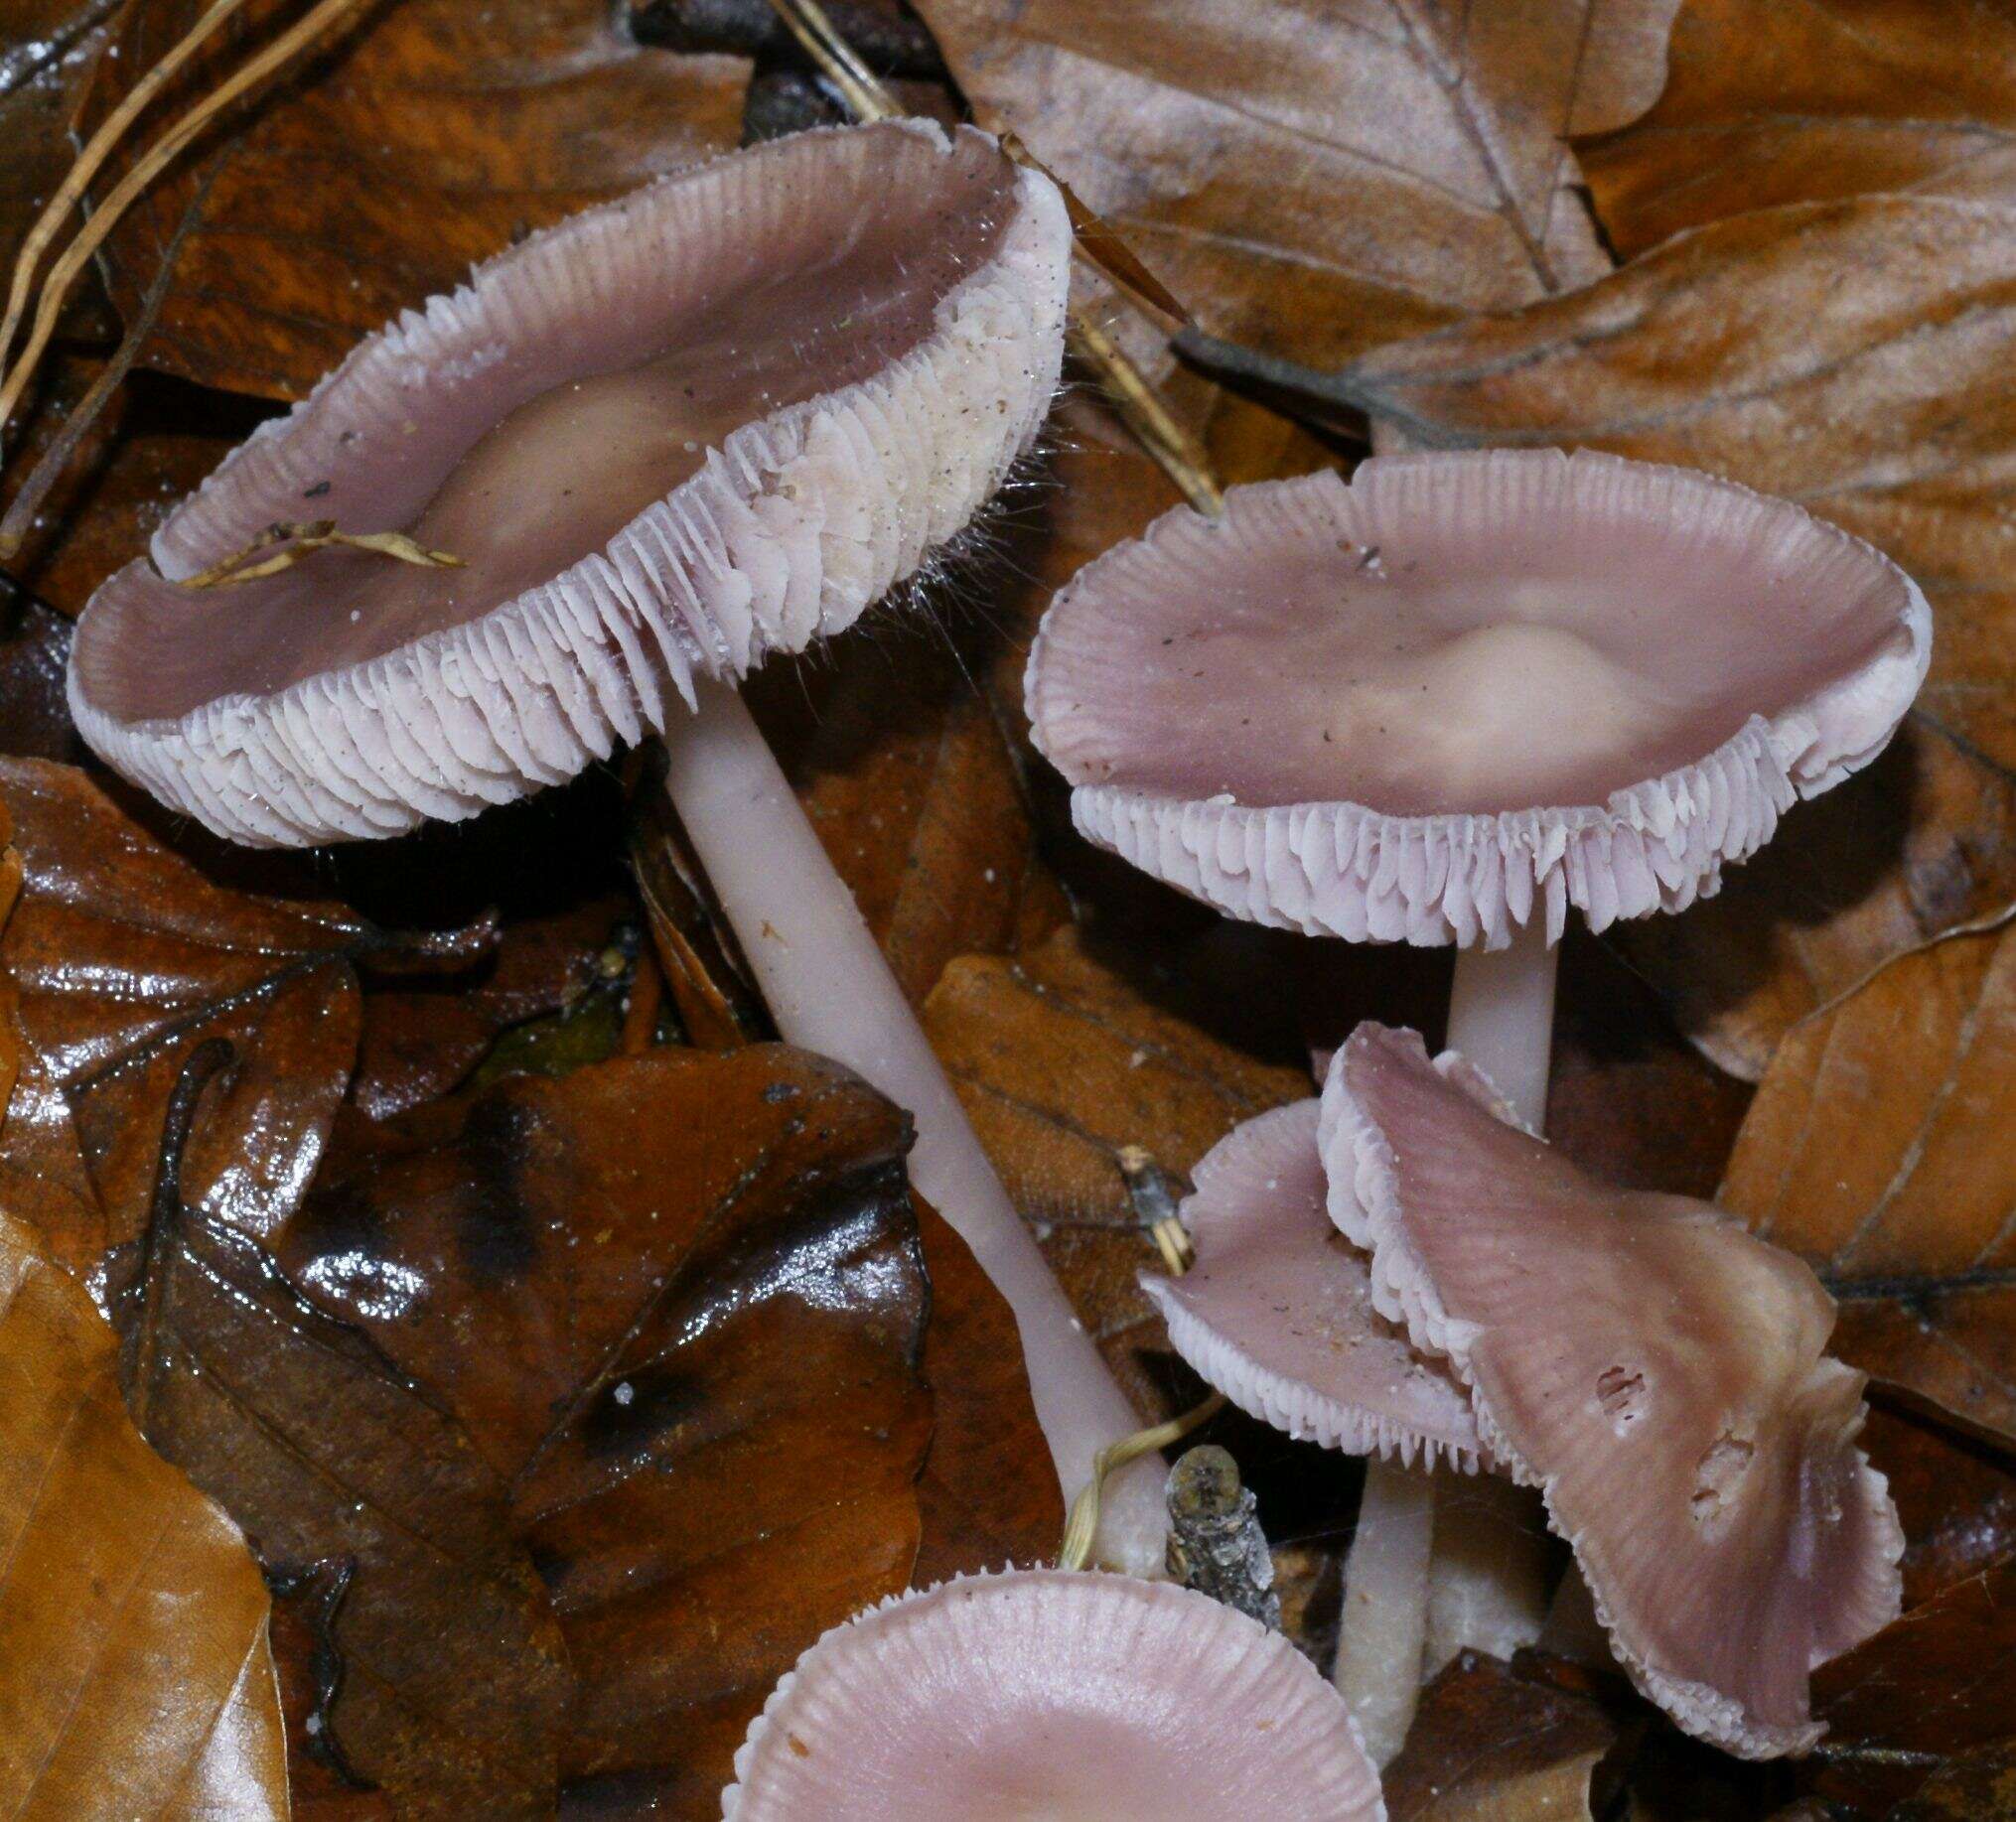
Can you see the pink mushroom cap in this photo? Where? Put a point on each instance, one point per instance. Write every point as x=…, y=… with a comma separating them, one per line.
x=1657, y=1372
x=1053, y=1693
x=1276, y=1311
x=713, y=420
x=1465, y=691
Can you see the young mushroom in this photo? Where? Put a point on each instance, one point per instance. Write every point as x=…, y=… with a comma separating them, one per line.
x=572, y=503
x=1277, y=1312
x=1656, y=1371
x=1446, y=701
x=1049, y=1692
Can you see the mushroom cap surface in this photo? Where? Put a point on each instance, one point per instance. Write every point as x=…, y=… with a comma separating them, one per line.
x=1277, y=1312
x=1057, y=1694
x=1656, y=1371
x=710, y=421
x=1467, y=691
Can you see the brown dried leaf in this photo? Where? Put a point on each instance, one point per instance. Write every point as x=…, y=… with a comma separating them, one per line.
x=1488, y=1745
x=35, y=718
x=1062, y=1060
x=988, y=1493
x=1878, y=1148
x=1317, y=179
x=428, y=138
x=1935, y=1682
x=1850, y=356
x=1955, y=1497
x=135, y=1677
x=123, y=954
x=676, y=1301
x=1767, y=103
x=1969, y=1787
x=155, y=441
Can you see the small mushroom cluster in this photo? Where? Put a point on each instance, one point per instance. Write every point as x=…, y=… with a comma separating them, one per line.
x=1442, y=704
x=580, y=498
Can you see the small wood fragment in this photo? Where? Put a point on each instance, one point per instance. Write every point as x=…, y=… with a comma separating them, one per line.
x=1215, y=1544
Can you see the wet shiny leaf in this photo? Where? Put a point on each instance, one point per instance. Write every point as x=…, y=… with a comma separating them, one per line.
x=135, y=1677
x=676, y=1302
x=124, y=952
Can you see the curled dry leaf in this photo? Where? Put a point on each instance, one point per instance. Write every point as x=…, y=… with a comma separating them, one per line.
x=1767, y=103
x=135, y=1677
x=124, y=954
x=1878, y=1148
x=1849, y=356
x=1317, y=179
x=1063, y=1061
x=428, y=138
x=676, y=1302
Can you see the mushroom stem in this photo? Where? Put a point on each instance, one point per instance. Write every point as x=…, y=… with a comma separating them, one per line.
x=1501, y=1017
x=828, y=987
x=1382, y=1626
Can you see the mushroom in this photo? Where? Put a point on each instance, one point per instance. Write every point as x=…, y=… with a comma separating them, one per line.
x=1276, y=1313
x=634, y=457
x=1052, y=1693
x=1446, y=701
x=1656, y=1371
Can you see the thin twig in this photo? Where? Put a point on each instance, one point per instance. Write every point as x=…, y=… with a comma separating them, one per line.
x=150, y=164
x=99, y=147
x=19, y=516
x=1174, y=450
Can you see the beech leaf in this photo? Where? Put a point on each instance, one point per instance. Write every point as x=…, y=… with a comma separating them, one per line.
x=135, y=1677
x=1767, y=103
x=1877, y=1147
x=124, y=954
x=1314, y=179
x=676, y=1301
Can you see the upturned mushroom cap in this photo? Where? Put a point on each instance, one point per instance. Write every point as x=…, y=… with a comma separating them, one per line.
x=1464, y=691
x=1277, y=1312
x=708, y=422
x=1052, y=1693
x=1656, y=1371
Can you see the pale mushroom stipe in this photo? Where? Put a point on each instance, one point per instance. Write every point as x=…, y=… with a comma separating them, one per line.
x=1445, y=701
x=676, y=435
x=998, y=1698
x=1693, y=1442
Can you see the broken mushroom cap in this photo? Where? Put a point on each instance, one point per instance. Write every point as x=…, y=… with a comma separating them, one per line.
x=1465, y=691
x=672, y=435
x=1277, y=1312
x=1055, y=1693
x=1657, y=1372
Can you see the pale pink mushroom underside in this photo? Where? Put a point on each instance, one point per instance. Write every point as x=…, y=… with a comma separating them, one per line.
x=1656, y=1371
x=1057, y=1694
x=1277, y=1312
x=713, y=420
x=1465, y=691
